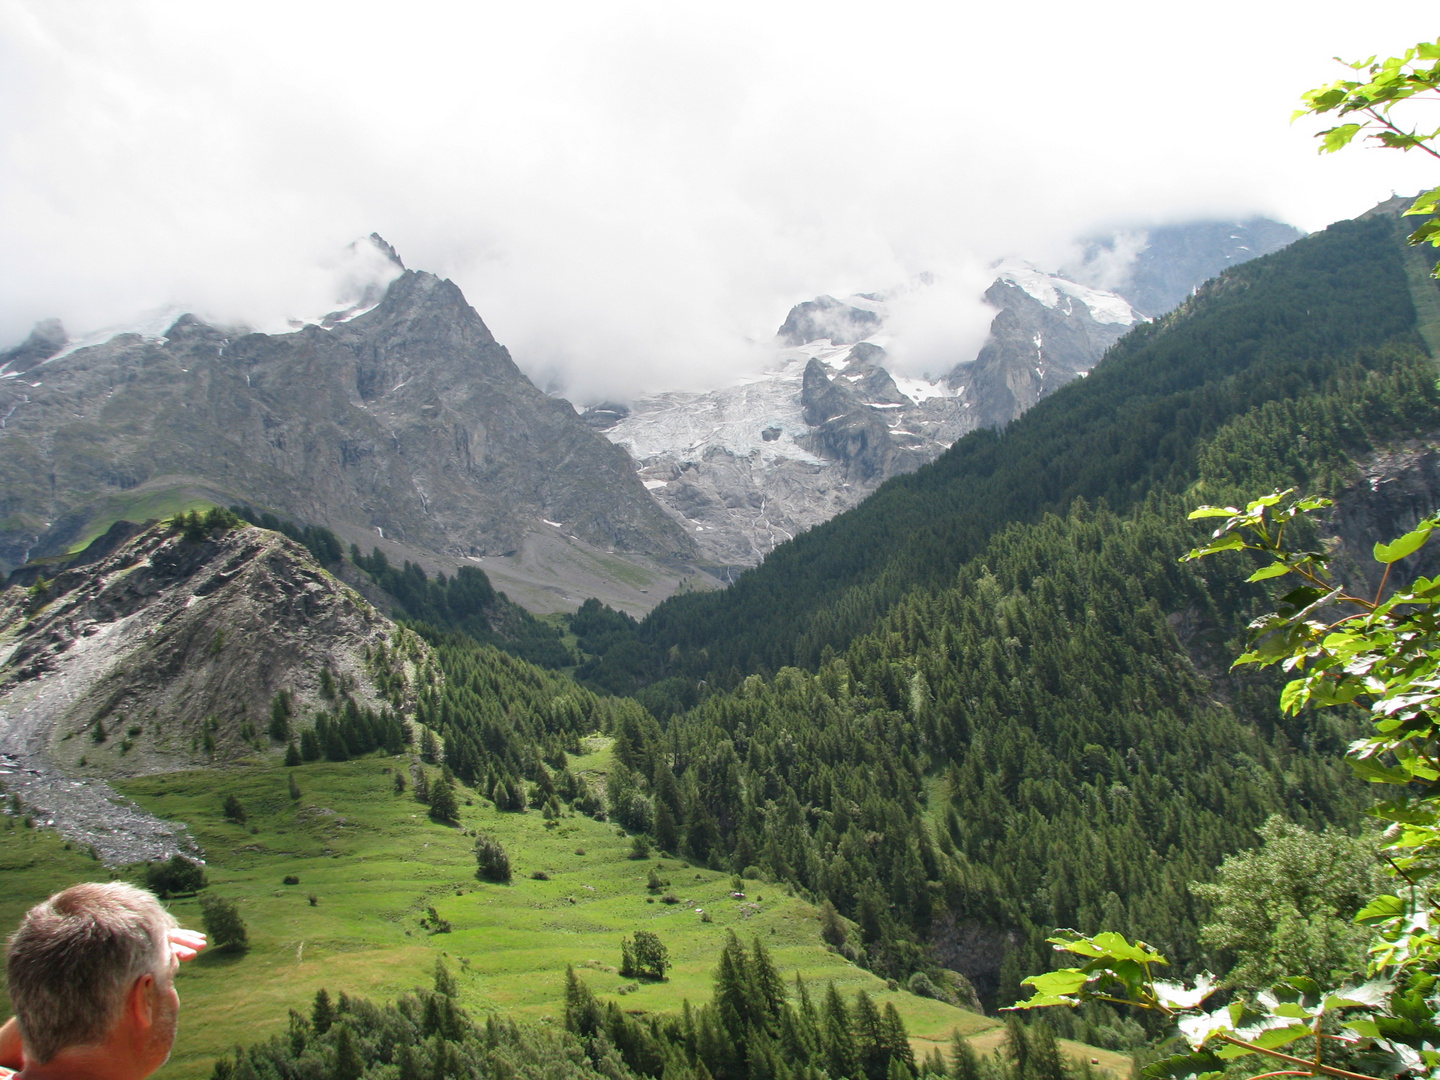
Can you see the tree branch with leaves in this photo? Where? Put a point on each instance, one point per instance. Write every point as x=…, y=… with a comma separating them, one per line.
x=1368, y=105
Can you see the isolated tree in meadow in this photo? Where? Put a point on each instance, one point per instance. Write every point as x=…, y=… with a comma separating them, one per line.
x=649, y=957
x=175, y=876
x=443, y=805
x=223, y=924
x=492, y=861
x=233, y=810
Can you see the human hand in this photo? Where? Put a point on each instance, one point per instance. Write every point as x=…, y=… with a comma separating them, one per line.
x=186, y=944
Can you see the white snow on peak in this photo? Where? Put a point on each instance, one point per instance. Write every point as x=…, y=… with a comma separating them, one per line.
x=864, y=303
x=918, y=390
x=151, y=326
x=734, y=418
x=1105, y=307
x=832, y=356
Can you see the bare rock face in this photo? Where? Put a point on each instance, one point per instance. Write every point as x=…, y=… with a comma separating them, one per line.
x=1041, y=338
x=407, y=420
x=167, y=653
x=1396, y=490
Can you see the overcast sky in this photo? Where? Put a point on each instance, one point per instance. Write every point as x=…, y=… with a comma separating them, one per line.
x=632, y=194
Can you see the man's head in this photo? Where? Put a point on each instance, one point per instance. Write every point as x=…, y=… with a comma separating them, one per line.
x=87, y=961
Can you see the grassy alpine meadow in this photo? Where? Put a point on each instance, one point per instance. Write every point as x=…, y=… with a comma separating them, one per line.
x=383, y=892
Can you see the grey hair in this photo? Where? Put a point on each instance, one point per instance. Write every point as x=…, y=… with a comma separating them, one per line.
x=74, y=958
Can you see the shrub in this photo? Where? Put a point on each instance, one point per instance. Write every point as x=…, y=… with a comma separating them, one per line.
x=921, y=986
x=178, y=875
x=492, y=861
x=223, y=924
x=233, y=810
x=290, y=879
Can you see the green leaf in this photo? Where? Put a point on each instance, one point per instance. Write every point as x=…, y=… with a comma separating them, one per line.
x=1054, y=983
x=1115, y=945
x=1228, y=542
x=1213, y=512
x=1337, y=138
x=1265, y=573
x=1406, y=545
x=1380, y=909
x=1183, y=1066
x=1280, y=1036
x=1371, y=770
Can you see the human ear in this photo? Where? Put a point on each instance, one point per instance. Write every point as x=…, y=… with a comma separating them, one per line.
x=140, y=1002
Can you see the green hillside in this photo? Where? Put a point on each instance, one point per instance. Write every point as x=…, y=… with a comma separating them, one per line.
x=377, y=864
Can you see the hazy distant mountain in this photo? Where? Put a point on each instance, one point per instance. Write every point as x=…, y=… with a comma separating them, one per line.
x=748, y=466
x=745, y=467
x=404, y=419
x=1156, y=269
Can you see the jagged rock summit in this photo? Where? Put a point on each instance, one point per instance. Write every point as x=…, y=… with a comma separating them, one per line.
x=397, y=416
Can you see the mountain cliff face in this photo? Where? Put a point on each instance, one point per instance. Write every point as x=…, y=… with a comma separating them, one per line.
x=406, y=420
x=167, y=653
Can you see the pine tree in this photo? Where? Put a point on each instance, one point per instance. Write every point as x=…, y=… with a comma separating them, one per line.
x=838, y=1039
x=964, y=1061
x=667, y=833
x=322, y=1013
x=292, y=755
x=280, y=712
x=348, y=1063
x=445, y=983
x=443, y=805
x=429, y=748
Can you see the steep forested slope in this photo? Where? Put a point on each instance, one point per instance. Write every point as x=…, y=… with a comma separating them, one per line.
x=1050, y=739
x=1273, y=329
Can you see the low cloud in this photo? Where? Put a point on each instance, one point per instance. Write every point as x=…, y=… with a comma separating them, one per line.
x=634, y=194
x=938, y=321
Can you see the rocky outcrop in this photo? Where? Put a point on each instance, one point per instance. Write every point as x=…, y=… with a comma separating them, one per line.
x=47, y=339
x=407, y=420
x=167, y=653
x=841, y=322
x=1397, y=488
x=1042, y=338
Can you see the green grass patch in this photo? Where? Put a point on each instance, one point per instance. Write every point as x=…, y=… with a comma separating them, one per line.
x=376, y=864
x=138, y=506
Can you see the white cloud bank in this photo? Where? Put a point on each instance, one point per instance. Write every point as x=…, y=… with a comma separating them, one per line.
x=629, y=192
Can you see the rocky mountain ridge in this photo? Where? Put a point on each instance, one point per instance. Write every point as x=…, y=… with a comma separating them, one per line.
x=404, y=419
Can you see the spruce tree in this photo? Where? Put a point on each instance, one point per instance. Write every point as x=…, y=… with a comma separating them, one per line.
x=348, y=1063
x=443, y=805
x=322, y=1012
